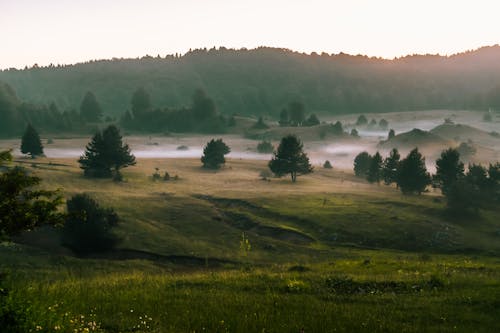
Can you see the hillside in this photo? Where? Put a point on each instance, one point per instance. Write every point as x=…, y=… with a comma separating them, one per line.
x=264, y=80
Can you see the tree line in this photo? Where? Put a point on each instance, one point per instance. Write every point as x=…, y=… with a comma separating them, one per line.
x=465, y=191
x=261, y=81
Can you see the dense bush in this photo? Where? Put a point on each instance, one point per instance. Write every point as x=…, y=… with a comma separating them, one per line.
x=88, y=226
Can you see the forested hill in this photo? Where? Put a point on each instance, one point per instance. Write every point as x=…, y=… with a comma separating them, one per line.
x=264, y=80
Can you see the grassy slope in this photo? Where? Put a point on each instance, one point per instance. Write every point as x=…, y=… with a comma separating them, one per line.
x=325, y=222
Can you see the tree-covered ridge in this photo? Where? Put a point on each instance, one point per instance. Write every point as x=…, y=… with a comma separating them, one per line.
x=264, y=80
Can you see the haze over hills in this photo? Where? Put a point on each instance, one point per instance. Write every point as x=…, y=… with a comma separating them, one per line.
x=264, y=80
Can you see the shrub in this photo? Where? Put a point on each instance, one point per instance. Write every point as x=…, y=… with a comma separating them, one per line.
x=265, y=147
x=327, y=165
x=88, y=226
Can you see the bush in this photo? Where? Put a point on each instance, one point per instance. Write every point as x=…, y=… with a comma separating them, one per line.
x=265, y=147
x=88, y=226
x=327, y=165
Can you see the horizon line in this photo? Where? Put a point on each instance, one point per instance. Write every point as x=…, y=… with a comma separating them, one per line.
x=219, y=48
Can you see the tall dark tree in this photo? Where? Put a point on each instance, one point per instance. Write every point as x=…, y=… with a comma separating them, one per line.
x=141, y=103
x=260, y=124
x=284, y=121
x=22, y=205
x=213, y=154
x=296, y=113
x=203, y=106
x=449, y=169
x=412, y=174
x=391, y=134
x=90, y=110
x=106, y=154
x=390, y=167
x=9, y=104
x=31, y=143
x=290, y=158
x=374, y=173
x=362, y=164
x=383, y=124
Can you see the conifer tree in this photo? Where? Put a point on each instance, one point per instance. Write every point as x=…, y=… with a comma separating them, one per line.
x=412, y=175
x=375, y=169
x=213, y=154
x=390, y=167
x=290, y=159
x=31, y=143
x=90, y=110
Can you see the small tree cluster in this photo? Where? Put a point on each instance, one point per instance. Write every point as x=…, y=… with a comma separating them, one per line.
x=410, y=174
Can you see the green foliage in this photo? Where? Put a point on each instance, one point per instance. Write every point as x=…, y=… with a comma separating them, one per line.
x=88, y=226
x=361, y=121
x=296, y=113
x=390, y=167
x=312, y=120
x=412, y=176
x=141, y=103
x=265, y=147
x=336, y=129
x=284, y=119
x=23, y=206
x=260, y=124
x=374, y=173
x=106, y=154
x=354, y=133
x=383, y=124
x=449, y=169
x=327, y=165
x=290, y=159
x=213, y=154
x=31, y=143
x=391, y=134
x=203, y=106
x=362, y=163
x=5, y=156
x=90, y=109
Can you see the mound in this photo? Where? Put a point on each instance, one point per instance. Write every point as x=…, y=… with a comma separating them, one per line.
x=459, y=132
x=414, y=138
x=309, y=133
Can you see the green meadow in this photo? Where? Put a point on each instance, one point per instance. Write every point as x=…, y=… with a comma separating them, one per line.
x=330, y=253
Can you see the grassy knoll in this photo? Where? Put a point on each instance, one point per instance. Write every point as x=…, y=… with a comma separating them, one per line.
x=329, y=253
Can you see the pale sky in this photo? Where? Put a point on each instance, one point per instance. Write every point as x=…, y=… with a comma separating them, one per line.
x=70, y=31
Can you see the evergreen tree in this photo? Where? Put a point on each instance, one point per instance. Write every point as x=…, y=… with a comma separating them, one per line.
x=203, y=106
x=361, y=120
x=391, y=134
x=412, y=176
x=141, y=103
x=296, y=113
x=375, y=168
x=260, y=124
x=327, y=165
x=362, y=164
x=449, y=169
x=354, y=133
x=390, y=167
x=312, y=120
x=290, y=159
x=265, y=147
x=105, y=155
x=337, y=129
x=284, y=121
x=90, y=110
x=383, y=124
x=31, y=143
x=213, y=154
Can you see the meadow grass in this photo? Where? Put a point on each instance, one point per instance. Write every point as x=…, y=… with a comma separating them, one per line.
x=330, y=253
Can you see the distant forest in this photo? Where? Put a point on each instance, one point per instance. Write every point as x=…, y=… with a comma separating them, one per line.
x=263, y=81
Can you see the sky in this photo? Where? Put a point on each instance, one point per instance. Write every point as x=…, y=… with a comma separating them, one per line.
x=71, y=31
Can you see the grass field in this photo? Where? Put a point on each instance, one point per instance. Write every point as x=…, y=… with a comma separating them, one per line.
x=328, y=253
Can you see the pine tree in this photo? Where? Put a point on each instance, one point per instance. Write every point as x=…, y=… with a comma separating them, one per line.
x=362, y=164
x=90, y=110
x=375, y=169
x=141, y=103
x=449, y=169
x=390, y=167
x=213, y=154
x=105, y=155
x=31, y=143
x=290, y=159
x=412, y=175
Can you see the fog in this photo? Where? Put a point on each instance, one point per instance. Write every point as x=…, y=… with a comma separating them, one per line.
x=340, y=153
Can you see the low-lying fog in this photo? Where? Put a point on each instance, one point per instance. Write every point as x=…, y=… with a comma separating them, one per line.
x=340, y=153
